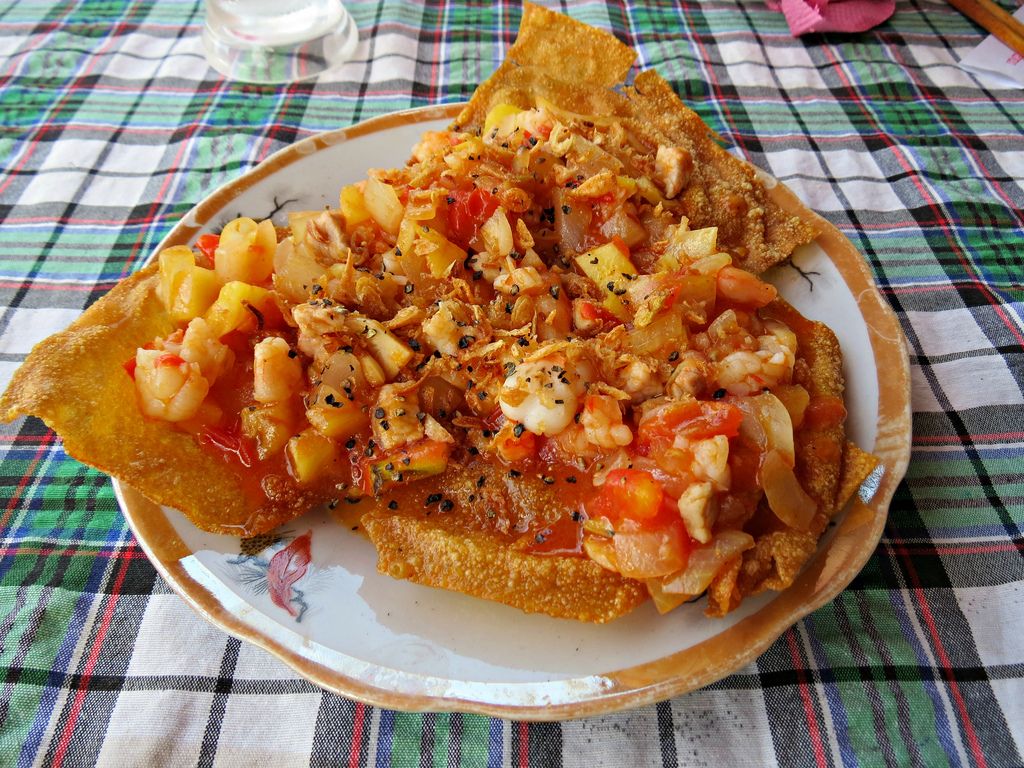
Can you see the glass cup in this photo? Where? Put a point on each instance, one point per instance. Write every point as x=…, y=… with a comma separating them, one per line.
x=277, y=41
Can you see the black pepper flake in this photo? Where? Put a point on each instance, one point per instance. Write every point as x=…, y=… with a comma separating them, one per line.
x=594, y=260
x=379, y=413
x=610, y=286
x=409, y=288
x=548, y=480
x=414, y=345
x=384, y=425
x=548, y=215
x=576, y=516
x=447, y=505
x=480, y=481
x=473, y=450
x=472, y=498
x=332, y=504
x=437, y=354
x=719, y=394
x=571, y=479
x=478, y=275
x=523, y=341
x=433, y=499
x=420, y=416
x=350, y=443
x=566, y=209
x=482, y=394
x=465, y=341
x=554, y=291
x=487, y=433
x=449, y=200
x=316, y=289
x=518, y=430
x=332, y=401
x=390, y=466
x=559, y=401
x=406, y=460
x=514, y=473
x=392, y=504
x=508, y=308
x=539, y=538
x=398, y=251
x=674, y=356
x=351, y=500
x=533, y=141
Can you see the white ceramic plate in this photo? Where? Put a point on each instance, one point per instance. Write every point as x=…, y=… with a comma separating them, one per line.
x=318, y=602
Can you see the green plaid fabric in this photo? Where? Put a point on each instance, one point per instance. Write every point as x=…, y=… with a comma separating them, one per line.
x=112, y=126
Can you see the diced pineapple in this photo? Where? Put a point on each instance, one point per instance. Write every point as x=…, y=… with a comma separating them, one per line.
x=444, y=252
x=310, y=455
x=497, y=115
x=334, y=415
x=648, y=191
x=246, y=250
x=383, y=204
x=387, y=349
x=175, y=262
x=688, y=244
x=372, y=371
x=196, y=291
x=608, y=266
x=240, y=306
x=353, y=207
x=270, y=426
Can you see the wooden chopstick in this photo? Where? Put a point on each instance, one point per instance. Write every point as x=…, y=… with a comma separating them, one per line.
x=995, y=20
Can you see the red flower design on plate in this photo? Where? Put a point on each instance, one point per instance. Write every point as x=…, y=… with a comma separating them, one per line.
x=286, y=568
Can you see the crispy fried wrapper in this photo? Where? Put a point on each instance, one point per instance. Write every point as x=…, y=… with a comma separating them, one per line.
x=483, y=565
x=74, y=381
x=545, y=65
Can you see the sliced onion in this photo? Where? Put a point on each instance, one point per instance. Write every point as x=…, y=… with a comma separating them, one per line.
x=767, y=423
x=787, y=499
x=647, y=554
x=624, y=226
x=572, y=226
x=601, y=551
x=665, y=601
x=666, y=330
x=295, y=270
x=706, y=561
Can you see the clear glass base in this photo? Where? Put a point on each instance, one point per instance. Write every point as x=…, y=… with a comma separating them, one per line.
x=262, y=49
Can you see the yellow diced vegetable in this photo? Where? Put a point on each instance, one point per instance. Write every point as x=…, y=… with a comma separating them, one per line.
x=383, y=204
x=334, y=415
x=608, y=265
x=387, y=349
x=270, y=426
x=295, y=270
x=497, y=115
x=175, y=262
x=297, y=222
x=310, y=455
x=233, y=309
x=353, y=207
x=196, y=291
x=444, y=254
x=246, y=250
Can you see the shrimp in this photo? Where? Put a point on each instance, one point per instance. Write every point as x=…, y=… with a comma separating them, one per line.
x=541, y=395
x=697, y=511
x=394, y=418
x=602, y=422
x=745, y=372
x=200, y=346
x=169, y=387
x=711, y=461
x=277, y=371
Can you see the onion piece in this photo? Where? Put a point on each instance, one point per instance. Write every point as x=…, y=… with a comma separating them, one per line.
x=767, y=423
x=787, y=499
x=706, y=561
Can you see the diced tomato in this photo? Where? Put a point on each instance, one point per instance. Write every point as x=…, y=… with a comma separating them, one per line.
x=590, y=310
x=207, y=245
x=693, y=419
x=129, y=366
x=232, y=442
x=512, y=447
x=467, y=213
x=627, y=494
x=619, y=243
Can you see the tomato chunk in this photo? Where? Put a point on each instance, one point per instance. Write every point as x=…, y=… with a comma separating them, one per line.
x=695, y=420
x=207, y=245
x=631, y=494
x=467, y=212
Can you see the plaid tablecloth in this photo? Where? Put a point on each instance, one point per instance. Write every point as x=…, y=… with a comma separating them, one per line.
x=112, y=126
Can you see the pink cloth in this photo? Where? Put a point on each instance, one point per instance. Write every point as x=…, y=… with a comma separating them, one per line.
x=805, y=16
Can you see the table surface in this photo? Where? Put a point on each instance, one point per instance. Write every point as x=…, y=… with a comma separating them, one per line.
x=112, y=126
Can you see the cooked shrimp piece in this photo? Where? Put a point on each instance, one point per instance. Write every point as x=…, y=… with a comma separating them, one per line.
x=277, y=371
x=541, y=395
x=742, y=287
x=711, y=461
x=394, y=417
x=169, y=387
x=601, y=420
x=200, y=346
x=697, y=511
